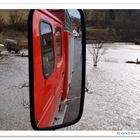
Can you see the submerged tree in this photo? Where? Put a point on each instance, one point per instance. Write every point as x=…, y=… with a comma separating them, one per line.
x=97, y=50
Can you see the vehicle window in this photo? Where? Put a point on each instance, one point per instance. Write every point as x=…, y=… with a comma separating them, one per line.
x=47, y=48
x=58, y=44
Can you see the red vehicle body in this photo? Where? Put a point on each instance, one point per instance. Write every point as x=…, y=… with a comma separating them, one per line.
x=51, y=91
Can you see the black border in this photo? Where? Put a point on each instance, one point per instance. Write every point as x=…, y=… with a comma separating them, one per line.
x=31, y=76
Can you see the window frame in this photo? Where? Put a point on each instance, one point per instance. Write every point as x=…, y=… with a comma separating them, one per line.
x=60, y=30
x=46, y=22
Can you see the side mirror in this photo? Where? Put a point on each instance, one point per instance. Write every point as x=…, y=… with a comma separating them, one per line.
x=57, y=55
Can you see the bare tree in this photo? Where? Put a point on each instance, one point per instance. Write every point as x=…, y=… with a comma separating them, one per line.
x=2, y=22
x=15, y=17
x=97, y=50
x=18, y=20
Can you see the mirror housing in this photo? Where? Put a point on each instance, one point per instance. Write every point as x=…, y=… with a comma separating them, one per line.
x=36, y=104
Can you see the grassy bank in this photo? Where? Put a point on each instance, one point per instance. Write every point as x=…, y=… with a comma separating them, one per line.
x=100, y=34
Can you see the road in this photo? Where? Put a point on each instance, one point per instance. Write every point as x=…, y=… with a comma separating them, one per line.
x=75, y=90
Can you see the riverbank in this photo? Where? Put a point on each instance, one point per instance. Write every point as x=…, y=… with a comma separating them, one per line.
x=110, y=35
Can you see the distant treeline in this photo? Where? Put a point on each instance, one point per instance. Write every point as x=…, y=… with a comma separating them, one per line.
x=113, y=25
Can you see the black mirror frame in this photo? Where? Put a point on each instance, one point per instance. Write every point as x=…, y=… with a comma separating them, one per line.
x=31, y=74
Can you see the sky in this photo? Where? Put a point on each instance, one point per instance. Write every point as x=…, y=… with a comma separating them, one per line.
x=74, y=13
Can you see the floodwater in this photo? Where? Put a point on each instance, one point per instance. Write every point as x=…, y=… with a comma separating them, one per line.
x=112, y=103
x=113, y=100
x=14, y=93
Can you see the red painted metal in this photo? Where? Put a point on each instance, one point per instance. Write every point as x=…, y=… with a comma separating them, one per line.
x=47, y=92
x=60, y=14
x=65, y=92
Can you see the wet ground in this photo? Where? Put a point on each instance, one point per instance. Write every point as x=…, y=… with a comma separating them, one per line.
x=14, y=93
x=113, y=100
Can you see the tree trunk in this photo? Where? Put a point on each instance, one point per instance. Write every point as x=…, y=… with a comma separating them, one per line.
x=95, y=63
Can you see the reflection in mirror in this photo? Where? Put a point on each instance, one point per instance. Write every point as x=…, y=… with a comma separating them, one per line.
x=56, y=90
x=75, y=68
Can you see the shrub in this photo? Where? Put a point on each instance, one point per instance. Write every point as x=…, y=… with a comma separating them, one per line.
x=2, y=22
x=17, y=20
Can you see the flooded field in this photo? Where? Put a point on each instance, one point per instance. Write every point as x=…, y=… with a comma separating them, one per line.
x=112, y=103
x=113, y=100
x=14, y=94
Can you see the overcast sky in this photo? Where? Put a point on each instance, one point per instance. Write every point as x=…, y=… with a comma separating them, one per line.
x=74, y=13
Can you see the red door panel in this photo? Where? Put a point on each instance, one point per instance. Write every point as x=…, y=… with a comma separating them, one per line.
x=46, y=90
x=59, y=60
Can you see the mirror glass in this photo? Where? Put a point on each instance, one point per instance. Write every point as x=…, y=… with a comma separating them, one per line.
x=56, y=73
x=57, y=67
